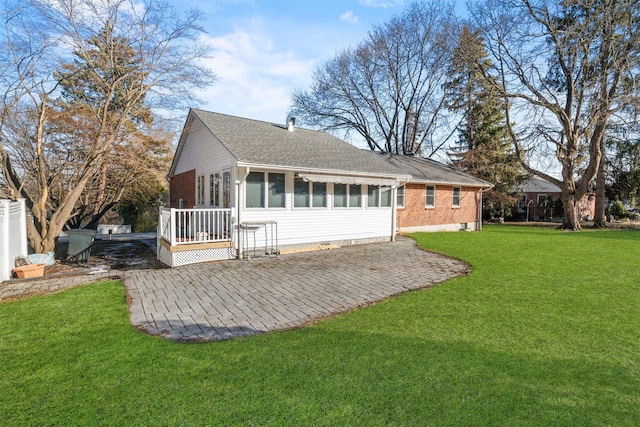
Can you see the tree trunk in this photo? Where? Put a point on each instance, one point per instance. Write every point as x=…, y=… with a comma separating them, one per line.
x=570, y=220
x=599, y=218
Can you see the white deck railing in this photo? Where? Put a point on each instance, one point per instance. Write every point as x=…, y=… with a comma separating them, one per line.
x=188, y=226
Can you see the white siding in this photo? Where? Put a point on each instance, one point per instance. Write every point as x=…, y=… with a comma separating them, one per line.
x=203, y=152
x=312, y=226
x=328, y=226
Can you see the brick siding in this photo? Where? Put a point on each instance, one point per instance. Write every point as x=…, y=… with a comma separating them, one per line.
x=415, y=213
x=183, y=186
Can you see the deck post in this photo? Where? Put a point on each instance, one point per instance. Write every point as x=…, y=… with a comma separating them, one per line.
x=172, y=226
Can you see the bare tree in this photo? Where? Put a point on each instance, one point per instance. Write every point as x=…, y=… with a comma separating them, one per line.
x=389, y=89
x=52, y=148
x=564, y=67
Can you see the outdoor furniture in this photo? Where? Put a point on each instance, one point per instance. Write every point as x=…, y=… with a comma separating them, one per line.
x=270, y=242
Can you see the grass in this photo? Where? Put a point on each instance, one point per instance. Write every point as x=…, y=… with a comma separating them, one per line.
x=545, y=331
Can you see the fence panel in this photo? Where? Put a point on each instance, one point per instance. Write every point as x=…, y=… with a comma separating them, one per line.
x=13, y=235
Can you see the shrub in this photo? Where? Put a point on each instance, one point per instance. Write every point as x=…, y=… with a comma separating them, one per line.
x=617, y=210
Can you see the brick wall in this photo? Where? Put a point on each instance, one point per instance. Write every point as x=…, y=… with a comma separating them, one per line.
x=415, y=214
x=183, y=186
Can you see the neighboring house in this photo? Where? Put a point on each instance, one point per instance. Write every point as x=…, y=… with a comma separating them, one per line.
x=437, y=197
x=240, y=184
x=539, y=200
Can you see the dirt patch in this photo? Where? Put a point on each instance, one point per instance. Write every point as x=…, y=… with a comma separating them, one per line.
x=107, y=255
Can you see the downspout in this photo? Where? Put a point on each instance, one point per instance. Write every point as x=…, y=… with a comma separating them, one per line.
x=239, y=185
x=479, y=221
x=394, y=210
x=394, y=207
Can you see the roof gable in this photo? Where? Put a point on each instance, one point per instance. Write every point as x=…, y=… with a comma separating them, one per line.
x=254, y=142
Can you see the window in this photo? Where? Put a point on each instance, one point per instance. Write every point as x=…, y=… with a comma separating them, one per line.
x=542, y=199
x=340, y=196
x=374, y=196
x=385, y=197
x=309, y=194
x=522, y=203
x=265, y=187
x=400, y=197
x=200, y=190
x=255, y=190
x=214, y=190
x=379, y=197
x=226, y=189
x=300, y=193
x=355, y=196
x=319, y=199
x=456, y=197
x=347, y=196
x=276, y=190
x=431, y=196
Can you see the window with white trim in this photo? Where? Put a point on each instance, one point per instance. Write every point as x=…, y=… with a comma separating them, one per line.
x=214, y=189
x=379, y=197
x=456, y=197
x=309, y=194
x=522, y=203
x=430, y=196
x=355, y=196
x=400, y=197
x=347, y=196
x=276, y=190
x=373, y=196
x=265, y=189
x=319, y=195
x=226, y=189
x=340, y=195
x=255, y=189
x=200, y=190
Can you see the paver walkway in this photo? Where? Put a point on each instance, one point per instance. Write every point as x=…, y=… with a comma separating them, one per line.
x=236, y=298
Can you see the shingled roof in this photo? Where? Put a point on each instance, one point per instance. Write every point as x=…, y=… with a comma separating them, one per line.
x=265, y=144
x=431, y=172
x=254, y=142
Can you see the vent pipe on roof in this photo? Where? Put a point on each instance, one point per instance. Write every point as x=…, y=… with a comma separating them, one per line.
x=291, y=121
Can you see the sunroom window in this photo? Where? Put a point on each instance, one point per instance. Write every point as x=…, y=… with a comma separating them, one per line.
x=265, y=189
x=379, y=197
x=309, y=194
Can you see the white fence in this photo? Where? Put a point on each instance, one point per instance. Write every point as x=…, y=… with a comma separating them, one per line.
x=13, y=235
x=186, y=226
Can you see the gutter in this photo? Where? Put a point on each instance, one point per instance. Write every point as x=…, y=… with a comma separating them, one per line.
x=323, y=171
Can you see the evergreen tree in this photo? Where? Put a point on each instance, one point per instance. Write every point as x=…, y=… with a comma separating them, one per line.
x=482, y=149
x=105, y=79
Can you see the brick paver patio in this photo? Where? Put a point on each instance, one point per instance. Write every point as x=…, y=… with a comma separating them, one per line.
x=227, y=299
x=235, y=298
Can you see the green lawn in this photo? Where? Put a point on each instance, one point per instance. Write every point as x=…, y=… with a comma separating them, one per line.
x=544, y=331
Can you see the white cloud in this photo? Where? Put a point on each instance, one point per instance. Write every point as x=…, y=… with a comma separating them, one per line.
x=349, y=17
x=382, y=3
x=256, y=76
